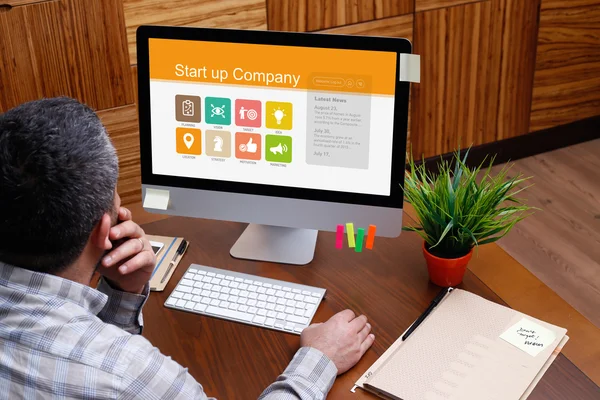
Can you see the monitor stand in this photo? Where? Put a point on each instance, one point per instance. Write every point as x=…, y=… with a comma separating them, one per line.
x=276, y=244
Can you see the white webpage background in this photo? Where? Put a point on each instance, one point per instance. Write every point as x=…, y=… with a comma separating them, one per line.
x=166, y=161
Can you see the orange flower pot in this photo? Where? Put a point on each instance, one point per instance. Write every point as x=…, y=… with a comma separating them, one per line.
x=446, y=271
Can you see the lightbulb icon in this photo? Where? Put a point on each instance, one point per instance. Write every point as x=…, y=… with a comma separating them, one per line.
x=279, y=114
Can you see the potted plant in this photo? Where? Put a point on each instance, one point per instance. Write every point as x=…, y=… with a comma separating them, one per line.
x=458, y=209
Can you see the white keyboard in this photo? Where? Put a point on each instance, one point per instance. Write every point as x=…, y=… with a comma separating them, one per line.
x=250, y=299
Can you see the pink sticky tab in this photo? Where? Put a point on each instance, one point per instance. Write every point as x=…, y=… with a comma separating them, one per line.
x=339, y=237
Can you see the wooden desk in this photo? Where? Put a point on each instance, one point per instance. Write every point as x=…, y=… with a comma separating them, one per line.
x=389, y=285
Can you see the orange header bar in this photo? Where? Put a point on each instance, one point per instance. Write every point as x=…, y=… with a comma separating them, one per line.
x=329, y=70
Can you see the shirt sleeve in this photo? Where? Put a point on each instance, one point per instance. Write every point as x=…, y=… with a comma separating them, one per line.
x=310, y=375
x=123, y=309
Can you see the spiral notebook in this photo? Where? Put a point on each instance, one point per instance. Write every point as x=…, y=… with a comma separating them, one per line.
x=468, y=348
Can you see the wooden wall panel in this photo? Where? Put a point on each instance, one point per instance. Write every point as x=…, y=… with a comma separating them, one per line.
x=75, y=48
x=477, y=63
x=567, y=75
x=122, y=126
x=239, y=14
x=313, y=15
x=424, y=5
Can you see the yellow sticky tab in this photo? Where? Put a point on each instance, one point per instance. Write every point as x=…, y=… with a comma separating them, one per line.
x=350, y=233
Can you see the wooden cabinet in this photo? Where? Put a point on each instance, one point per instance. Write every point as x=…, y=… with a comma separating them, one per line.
x=73, y=48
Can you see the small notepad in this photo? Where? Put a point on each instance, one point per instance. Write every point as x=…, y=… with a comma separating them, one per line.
x=528, y=336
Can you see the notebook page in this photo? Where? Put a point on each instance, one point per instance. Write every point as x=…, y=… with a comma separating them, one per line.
x=457, y=354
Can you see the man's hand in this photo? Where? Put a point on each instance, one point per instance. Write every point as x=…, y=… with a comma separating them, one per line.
x=129, y=265
x=344, y=339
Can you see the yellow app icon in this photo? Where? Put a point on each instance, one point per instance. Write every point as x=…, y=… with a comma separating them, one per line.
x=279, y=115
x=189, y=141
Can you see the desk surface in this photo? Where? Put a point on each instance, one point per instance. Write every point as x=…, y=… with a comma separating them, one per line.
x=389, y=285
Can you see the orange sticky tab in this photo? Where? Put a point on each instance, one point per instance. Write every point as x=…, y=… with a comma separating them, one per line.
x=371, y=237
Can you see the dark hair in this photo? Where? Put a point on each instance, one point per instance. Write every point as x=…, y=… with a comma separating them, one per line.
x=58, y=176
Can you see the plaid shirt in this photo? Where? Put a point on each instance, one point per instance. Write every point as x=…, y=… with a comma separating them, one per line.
x=60, y=339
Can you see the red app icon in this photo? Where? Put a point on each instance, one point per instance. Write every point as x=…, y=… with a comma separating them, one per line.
x=248, y=113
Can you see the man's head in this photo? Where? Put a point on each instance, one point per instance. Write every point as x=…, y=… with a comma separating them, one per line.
x=58, y=176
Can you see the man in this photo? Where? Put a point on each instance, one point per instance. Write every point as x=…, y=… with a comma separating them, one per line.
x=61, y=220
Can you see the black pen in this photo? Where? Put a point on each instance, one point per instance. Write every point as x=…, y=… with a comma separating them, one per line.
x=180, y=250
x=433, y=304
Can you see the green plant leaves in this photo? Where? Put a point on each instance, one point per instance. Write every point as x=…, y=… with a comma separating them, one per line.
x=461, y=207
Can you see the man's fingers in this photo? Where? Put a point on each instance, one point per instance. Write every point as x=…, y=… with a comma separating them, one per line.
x=124, y=251
x=142, y=260
x=126, y=229
x=366, y=344
x=358, y=323
x=346, y=315
x=124, y=214
x=362, y=335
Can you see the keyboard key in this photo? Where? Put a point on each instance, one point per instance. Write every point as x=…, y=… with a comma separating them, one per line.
x=252, y=302
x=278, y=325
x=198, y=277
x=233, y=306
x=211, y=274
x=299, y=297
x=301, y=305
x=252, y=288
x=206, y=279
x=189, y=275
x=196, y=298
x=201, y=272
x=224, y=283
x=262, y=297
x=281, y=301
x=271, y=314
x=193, y=270
x=252, y=310
x=306, y=292
x=297, y=291
x=315, y=294
x=279, y=308
x=181, y=303
x=262, y=312
x=205, y=300
x=187, y=296
x=253, y=295
x=198, y=285
x=196, y=291
x=234, y=285
x=258, y=283
x=238, y=279
x=184, y=289
x=190, y=305
x=270, y=292
x=229, y=278
x=215, y=302
x=244, y=293
x=243, y=308
x=290, y=303
x=312, y=300
x=214, y=295
x=177, y=295
x=280, y=293
x=223, y=296
x=224, y=304
x=298, y=329
x=297, y=319
x=248, y=281
x=200, y=307
x=234, y=292
x=171, y=301
x=289, y=295
x=215, y=281
x=261, y=304
x=281, y=316
x=299, y=312
x=308, y=313
x=233, y=299
x=271, y=299
x=207, y=286
x=220, y=276
x=187, y=282
x=243, y=286
x=225, y=290
x=267, y=285
x=277, y=287
x=205, y=293
x=259, y=319
x=269, y=321
x=289, y=310
x=289, y=327
x=261, y=290
x=242, y=300
x=286, y=289
x=229, y=313
x=270, y=306
x=310, y=307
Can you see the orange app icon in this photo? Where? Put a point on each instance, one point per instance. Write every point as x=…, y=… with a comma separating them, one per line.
x=189, y=141
x=248, y=146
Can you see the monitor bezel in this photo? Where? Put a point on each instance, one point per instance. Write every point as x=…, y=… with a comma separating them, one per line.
x=401, y=99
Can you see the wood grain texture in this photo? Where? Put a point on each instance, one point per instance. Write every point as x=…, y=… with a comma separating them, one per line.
x=425, y=5
x=560, y=244
x=72, y=48
x=314, y=15
x=392, y=292
x=476, y=74
x=15, y=3
x=567, y=83
x=239, y=14
x=122, y=127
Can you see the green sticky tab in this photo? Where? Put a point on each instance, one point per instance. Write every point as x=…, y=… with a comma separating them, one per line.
x=350, y=233
x=360, y=235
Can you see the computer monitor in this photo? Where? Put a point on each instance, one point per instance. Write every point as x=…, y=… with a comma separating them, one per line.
x=290, y=132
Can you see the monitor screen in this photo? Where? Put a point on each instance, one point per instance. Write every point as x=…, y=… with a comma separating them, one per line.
x=287, y=116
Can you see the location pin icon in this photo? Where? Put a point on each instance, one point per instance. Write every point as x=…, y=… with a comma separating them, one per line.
x=188, y=139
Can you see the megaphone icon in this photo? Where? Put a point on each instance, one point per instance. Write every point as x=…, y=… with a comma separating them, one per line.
x=279, y=149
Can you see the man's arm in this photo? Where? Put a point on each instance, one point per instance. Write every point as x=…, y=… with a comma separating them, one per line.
x=123, y=309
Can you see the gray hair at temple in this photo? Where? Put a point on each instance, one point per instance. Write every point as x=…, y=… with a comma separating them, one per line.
x=58, y=176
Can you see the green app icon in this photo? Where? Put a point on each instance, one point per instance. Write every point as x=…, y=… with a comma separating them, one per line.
x=217, y=111
x=278, y=148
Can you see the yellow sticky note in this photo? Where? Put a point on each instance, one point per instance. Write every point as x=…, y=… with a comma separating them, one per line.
x=350, y=233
